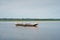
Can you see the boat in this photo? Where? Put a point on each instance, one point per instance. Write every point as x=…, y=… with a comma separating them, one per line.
x=26, y=24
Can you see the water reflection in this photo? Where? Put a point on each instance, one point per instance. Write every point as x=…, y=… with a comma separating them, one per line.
x=28, y=27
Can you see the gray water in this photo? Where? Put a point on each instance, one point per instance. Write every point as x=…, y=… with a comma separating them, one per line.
x=45, y=30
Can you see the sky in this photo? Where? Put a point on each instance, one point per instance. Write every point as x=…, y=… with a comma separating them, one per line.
x=29, y=8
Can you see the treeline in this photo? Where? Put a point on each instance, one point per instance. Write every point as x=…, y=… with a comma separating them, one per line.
x=16, y=19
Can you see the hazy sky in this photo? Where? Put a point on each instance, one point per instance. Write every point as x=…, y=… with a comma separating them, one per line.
x=29, y=8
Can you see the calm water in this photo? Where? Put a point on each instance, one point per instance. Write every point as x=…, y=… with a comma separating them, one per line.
x=45, y=30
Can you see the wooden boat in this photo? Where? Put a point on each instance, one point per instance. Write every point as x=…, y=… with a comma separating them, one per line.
x=26, y=24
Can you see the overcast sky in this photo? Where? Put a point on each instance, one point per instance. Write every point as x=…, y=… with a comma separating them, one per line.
x=29, y=8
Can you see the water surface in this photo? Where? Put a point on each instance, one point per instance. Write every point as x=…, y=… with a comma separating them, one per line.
x=45, y=30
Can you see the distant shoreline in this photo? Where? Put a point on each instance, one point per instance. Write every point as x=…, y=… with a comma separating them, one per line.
x=29, y=19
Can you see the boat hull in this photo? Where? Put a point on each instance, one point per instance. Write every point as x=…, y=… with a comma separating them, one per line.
x=26, y=24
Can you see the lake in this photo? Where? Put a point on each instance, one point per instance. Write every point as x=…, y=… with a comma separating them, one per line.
x=45, y=30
